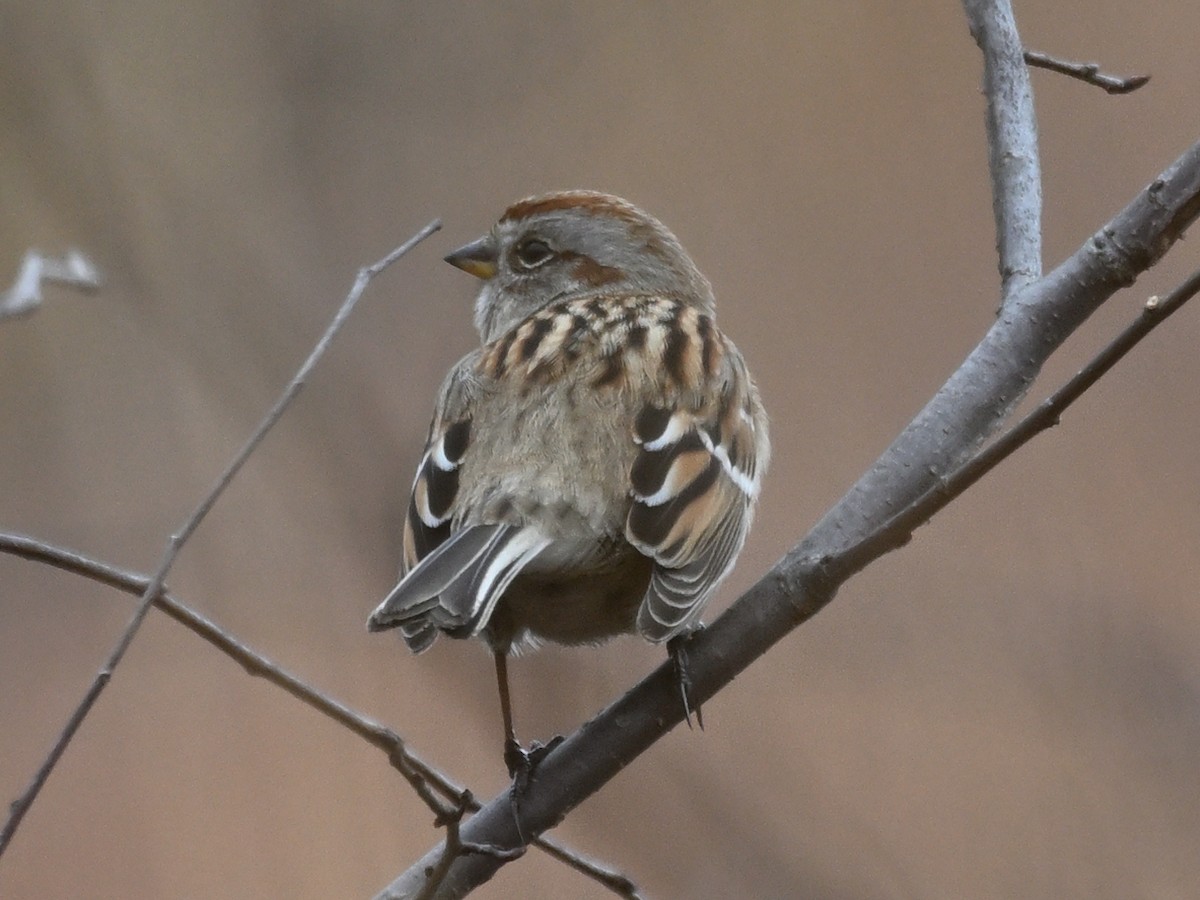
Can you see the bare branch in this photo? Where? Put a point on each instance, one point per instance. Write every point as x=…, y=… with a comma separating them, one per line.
x=1012, y=143
x=969, y=407
x=399, y=755
x=1088, y=73
x=74, y=270
x=156, y=584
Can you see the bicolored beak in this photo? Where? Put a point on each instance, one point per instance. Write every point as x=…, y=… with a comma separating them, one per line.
x=477, y=258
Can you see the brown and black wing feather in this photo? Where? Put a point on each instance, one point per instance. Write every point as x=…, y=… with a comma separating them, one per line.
x=694, y=483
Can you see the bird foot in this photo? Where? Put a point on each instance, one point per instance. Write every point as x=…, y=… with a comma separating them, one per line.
x=522, y=765
x=677, y=649
x=521, y=762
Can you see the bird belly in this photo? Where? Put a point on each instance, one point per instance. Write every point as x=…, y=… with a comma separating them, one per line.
x=584, y=605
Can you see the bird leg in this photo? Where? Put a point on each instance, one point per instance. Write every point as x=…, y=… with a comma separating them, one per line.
x=515, y=757
x=677, y=650
x=521, y=763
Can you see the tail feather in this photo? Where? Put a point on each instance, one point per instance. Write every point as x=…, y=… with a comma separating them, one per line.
x=468, y=602
x=417, y=592
x=455, y=589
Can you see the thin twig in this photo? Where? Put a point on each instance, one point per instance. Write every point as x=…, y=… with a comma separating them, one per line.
x=1012, y=143
x=74, y=270
x=155, y=586
x=1089, y=73
x=257, y=665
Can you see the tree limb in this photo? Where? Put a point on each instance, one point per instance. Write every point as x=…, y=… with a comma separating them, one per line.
x=898, y=531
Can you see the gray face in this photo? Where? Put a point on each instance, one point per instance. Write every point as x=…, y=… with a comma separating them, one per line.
x=586, y=247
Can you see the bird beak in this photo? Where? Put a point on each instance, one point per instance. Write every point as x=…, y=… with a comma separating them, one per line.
x=477, y=258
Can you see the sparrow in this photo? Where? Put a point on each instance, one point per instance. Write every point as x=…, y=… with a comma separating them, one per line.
x=592, y=468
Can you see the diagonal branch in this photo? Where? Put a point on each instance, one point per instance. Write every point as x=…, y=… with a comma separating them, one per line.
x=156, y=584
x=1012, y=143
x=899, y=530
x=979, y=395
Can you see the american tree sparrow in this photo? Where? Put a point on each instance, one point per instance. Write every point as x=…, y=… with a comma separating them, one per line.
x=592, y=468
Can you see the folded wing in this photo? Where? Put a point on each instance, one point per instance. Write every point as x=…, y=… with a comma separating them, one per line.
x=450, y=580
x=693, y=485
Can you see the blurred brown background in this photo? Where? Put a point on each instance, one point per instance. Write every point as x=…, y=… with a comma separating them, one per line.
x=1009, y=707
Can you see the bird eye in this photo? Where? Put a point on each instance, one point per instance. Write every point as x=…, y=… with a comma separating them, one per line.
x=531, y=253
